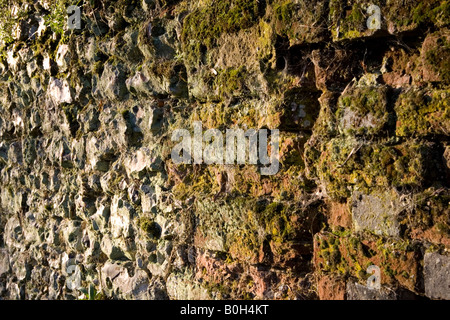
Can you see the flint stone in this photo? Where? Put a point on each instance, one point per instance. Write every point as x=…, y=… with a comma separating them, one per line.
x=59, y=91
x=356, y=291
x=437, y=276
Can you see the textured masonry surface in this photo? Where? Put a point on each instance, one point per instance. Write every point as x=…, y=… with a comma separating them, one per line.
x=86, y=177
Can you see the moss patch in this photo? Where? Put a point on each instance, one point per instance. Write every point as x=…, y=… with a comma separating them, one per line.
x=202, y=27
x=423, y=113
x=350, y=256
x=151, y=228
x=231, y=82
x=346, y=165
x=363, y=111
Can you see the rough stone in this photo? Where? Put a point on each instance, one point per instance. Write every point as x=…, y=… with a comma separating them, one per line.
x=330, y=288
x=110, y=249
x=59, y=91
x=377, y=213
x=134, y=287
x=4, y=262
x=437, y=275
x=182, y=287
x=63, y=57
x=112, y=82
x=356, y=291
x=86, y=170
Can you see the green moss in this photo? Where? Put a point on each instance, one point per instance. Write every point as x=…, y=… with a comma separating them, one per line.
x=389, y=271
x=366, y=100
x=437, y=58
x=443, y=228
x=431, y=212
x=283, y=11
x=219, y=114
x=231, y=82
x=284, y=15
x=437, y=12
x=273, y=209
x=412, y=14
x=220, y=289
x=323, y=244
x=57, y=17
x=330, y=253
x=292, y=155
x=247, y=296
x=346, y=165
x=275, y=220
x=199, y=182
x=351, y=20
x=343, y=170
x=335, y=256
x=151, y=228
x=7, y=22
x=357, y=254
x=98, y=67
x=163, y=68
x=420, y=113
x=202, y=27
x=91, y=293
x=354, y=242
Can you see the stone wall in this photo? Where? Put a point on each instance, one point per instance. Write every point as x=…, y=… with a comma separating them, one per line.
x=93, y=206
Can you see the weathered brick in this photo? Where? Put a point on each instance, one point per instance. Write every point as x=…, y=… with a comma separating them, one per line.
x=347, y=254
x=331, y=288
